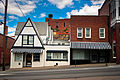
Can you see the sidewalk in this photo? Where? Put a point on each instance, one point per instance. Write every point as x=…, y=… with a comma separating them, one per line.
x=62, y=67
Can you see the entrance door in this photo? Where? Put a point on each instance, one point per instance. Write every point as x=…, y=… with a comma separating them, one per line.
x=94, y=57
x=28, y=60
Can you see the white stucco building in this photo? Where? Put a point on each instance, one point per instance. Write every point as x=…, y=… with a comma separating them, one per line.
x=34, y=47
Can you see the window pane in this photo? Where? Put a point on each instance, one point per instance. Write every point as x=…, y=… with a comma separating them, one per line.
x=36, y=57
x=24, y=39
x=56, y=24
x=48, y=55
x=30, y=39
x=79, y=32
x=69, y=23
x=102, y=34
x=87, y=32
x=64, y=24
x=65, y=56
x=56, y=55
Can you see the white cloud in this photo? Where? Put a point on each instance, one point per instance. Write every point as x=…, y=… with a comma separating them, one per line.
x=96, y=2
x=11, y=29
x=42, y=15
x=86, y=10
x=27, y=6
x=11, y=34
x=1, y=29
x=1, y=17
x=13, y=17
x=60, y=17
x=61, y=3
x=34, y=16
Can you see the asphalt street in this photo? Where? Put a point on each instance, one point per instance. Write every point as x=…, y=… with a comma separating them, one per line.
x=70, y=73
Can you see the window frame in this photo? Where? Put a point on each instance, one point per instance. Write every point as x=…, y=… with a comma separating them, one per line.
x=57, y=25
x=37, y=56
x=28, y=37
x=17, y=57
x=51, y=57
x=85, y=32
x=81, y=32
x=100, y=33
x=64, y=24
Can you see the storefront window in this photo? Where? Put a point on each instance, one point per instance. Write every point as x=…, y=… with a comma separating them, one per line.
x=36, y=57
x=18, y=57
x=57, y=56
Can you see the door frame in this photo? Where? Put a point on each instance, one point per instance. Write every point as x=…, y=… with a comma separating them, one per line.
x=28, y=58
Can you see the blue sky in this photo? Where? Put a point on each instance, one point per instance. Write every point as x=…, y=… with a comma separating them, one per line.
x=38, y=10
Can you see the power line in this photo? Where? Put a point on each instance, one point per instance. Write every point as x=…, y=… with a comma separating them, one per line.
x=2, y=3
x=20, y=9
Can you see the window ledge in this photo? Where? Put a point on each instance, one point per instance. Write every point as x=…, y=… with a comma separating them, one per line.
x=56, y=60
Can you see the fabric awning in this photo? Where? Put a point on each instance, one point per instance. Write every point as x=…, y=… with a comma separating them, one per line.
x=90, y=45
x=57, y=51
x=25, y=50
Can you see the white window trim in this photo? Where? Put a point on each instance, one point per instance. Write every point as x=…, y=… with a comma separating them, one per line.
x=85, y=33
x=77, y=33
x=99, y=33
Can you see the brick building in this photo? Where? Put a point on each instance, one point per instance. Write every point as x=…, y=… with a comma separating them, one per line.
x=104, y=10
x=112, y=9
x=89, y=39
x=61, y=27
x=9, y=42
x=114, y=6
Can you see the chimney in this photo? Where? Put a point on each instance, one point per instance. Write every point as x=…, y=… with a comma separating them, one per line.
x=50, y=15
x=6, y=30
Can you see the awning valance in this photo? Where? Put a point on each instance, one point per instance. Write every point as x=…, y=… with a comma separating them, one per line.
x=90, y=45
x=25, y=50
x=57, y=51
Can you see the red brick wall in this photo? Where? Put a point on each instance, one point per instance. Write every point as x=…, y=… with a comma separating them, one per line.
x=94, y=22
x=118, y=43
x=60, y=25
x=104, y=10
x=10, y=42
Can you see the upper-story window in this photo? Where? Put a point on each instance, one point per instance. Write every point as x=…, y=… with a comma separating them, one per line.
x=64, y=24
x=69, y=23
x=113, y=9
x=87, y=32
x=48, y=21
x=56, y=24
x=28, y=39
x=79, y=32
x=102, y=33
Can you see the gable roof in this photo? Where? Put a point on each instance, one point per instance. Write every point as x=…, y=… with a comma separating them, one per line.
x=34, y=27
x=41, y=27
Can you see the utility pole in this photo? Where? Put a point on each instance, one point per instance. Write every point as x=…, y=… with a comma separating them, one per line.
x=4, y=36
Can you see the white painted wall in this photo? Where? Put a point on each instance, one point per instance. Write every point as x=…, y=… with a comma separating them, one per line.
x=19, y=41
x=28, y=30
x=117, y=19
x=15, y=64
x=60, y=63
x=1, y=29
x=37, y=43
x=38, y=63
